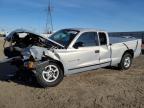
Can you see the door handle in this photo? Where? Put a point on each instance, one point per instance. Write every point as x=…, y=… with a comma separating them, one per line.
x=97, y=51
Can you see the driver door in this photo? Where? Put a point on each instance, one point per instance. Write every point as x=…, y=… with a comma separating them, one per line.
x=84, y=55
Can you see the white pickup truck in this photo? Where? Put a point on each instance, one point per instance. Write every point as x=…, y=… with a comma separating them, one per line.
x=70, y=51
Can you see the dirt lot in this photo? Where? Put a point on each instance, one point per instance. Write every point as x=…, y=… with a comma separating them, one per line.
x=1, y=48
x=103, y=88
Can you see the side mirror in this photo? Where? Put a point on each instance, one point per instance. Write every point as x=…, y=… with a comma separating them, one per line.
x=78, y=44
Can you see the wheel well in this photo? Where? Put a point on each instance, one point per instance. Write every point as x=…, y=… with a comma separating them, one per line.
x=58, y=63
x=130, y=51
x=55, y=61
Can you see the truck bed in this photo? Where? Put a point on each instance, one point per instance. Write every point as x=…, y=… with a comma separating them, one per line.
x=114, y=40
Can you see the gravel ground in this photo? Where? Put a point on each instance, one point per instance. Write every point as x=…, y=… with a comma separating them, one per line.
x=1, y=47
x=102, y=88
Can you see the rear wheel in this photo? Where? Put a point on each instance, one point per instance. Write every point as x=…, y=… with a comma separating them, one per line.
x=49, y=75
x=126, y=62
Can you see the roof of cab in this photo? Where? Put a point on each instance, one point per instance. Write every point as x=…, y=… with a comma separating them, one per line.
x=86, y=29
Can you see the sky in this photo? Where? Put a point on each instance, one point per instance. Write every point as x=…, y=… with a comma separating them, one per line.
x=109, y=15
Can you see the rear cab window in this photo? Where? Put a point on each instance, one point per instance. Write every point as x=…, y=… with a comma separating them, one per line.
x=102, y=38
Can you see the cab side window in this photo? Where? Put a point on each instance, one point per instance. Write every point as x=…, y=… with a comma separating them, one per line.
x=88, y=39
x=102, y=38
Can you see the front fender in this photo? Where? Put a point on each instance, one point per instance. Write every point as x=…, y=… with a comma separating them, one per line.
x=39, y=52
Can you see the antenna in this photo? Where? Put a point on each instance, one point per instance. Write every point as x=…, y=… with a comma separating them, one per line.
x=49, y=21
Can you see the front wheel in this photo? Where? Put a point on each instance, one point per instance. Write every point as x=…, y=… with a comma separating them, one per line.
x=49, y=75
x=126, y=62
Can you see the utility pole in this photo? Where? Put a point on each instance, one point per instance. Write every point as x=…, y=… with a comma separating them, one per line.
x=49, y=21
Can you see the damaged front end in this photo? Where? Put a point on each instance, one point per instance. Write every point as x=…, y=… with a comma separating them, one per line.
x=29, y=48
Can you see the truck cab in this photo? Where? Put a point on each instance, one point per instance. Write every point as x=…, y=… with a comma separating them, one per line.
x=89, y=50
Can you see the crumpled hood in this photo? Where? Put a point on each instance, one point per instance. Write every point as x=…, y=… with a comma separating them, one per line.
x=10, y=36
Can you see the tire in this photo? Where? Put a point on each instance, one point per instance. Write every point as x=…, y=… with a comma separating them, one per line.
x=126, y=62
x=49, y=74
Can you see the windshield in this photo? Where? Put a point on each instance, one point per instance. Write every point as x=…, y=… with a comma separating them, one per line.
x=64, y=37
